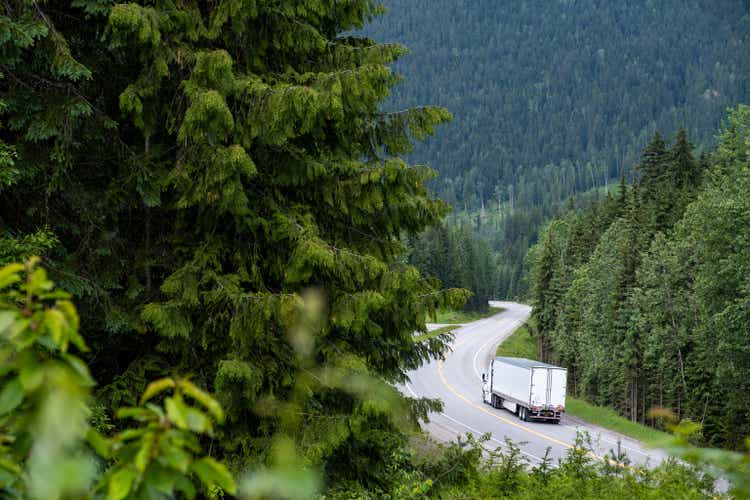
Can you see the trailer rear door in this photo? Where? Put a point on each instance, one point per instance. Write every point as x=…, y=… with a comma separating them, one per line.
x=557, y=387
x=539, y=384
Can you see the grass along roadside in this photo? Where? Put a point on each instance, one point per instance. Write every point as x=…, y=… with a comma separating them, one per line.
x=609, y=419
x=435, y=333
x=520, y=344
x=449, y=316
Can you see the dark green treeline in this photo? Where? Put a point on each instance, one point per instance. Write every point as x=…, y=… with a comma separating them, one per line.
x=458, y=258
x=645, y=296
x=555, y=98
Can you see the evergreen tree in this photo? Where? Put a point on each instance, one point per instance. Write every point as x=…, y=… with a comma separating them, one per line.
x=654, y=312
x=653, y=168
x=198, y=169
x=545, y=295
x=686, y=170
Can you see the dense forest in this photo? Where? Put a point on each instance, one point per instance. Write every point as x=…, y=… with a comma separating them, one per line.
x=215, y=186
x=485, y=250
x=457, y=258
x=644, y=295
x=556, y=98
x=205, y=228
x=552, y=98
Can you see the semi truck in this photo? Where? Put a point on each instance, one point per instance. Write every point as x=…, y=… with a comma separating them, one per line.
x=531, y=389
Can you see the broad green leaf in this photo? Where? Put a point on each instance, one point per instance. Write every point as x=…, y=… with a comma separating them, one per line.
x=184, y=485
x=161, y=478
x=9, y=275
x=137, y=413
x=38, y=281
x=203, y=398
x=176, y=411
x=128, y=435
x=143, y=457
x=10, y=466
x=31, y=377
x=212, y=472
x=175, y=456
x=98, y=442
x=54, y=320
x=11, y=396
x=158, y=411
x=7, y=318
x=157, y=387
x=197, y=421
x=120, y=484
x=17, y=329
x=81, y=369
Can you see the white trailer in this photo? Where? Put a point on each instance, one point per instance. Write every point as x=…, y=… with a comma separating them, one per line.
x=531, y=389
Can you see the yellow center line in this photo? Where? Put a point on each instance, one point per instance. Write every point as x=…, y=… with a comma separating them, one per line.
x=503, y=419
x=493, y=414
x=465, y=338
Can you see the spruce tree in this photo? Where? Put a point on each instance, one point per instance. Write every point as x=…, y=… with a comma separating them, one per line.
x=198, y=167
x=685, y=169
x=653, y=166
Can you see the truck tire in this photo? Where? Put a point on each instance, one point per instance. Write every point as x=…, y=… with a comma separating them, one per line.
x=524, y=414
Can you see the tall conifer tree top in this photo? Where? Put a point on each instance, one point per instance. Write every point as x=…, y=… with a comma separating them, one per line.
x=192, y=168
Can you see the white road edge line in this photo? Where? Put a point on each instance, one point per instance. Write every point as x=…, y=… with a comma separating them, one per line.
x=602, y=438
x=493, y=339
x=478, y=433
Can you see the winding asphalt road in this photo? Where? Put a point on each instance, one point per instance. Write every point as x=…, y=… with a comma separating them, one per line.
x=457, y=381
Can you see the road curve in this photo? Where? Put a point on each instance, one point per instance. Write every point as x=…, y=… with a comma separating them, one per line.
x=457, y=382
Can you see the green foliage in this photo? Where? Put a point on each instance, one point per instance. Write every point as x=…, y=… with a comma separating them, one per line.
x=557, y=99
x=554, y=99
x=506, y=474
x=519, y=344
x=435, y=333
x=735, y=466
x=44, y=411
x=456, y=257
x=196, y=169
x=14, y=249
x=44, y=388
x=652, y=310
x=159, y=454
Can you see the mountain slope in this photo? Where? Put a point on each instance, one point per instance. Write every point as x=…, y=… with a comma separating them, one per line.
x=577, y=84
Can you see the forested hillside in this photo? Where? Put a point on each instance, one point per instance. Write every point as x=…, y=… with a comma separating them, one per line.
x=459, y=258
x=644, y=296
x=554, y=98
x=205, y=224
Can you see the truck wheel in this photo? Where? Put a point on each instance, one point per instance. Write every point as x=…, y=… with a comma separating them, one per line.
x=524, y=414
